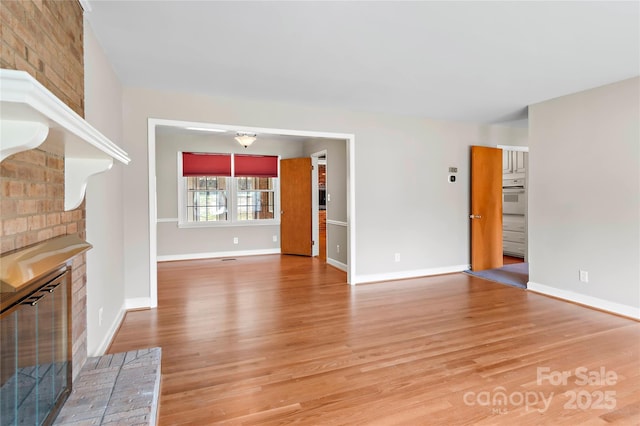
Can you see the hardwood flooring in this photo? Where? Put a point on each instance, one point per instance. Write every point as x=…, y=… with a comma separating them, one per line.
x=282, y=339
x=322, y=231
x=322, y=250
x=508, y=260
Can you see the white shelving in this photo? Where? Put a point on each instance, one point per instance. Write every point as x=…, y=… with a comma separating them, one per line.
x=31, y=114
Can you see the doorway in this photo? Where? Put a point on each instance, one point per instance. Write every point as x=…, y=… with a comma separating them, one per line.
x=319, y=161
x=515, y=169
x=510, y=265
x=348, y=141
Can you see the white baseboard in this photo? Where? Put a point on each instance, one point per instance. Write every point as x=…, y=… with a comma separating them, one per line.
x=336, y=264
x=129, y=304
x=137, y=303
x=401, y=275
x=104, y=345
x=594, y=302
x=211, y=255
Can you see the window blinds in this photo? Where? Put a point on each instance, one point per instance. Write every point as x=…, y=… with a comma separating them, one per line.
x=255, y=165
x=205, y=164
x=202, y=164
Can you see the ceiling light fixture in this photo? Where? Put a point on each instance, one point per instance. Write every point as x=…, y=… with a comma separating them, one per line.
x=245, y=139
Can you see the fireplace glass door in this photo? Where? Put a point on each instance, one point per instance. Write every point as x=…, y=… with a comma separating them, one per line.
x=35, y=369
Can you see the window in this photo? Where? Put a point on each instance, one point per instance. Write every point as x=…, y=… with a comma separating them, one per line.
x=207, y=198
x=227, y=189
x=256, y=198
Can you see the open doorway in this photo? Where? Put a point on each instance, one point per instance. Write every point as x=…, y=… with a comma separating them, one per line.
x=164, y=224
x=322, y=207
x=515, y=166
x=514, y=203
x=511, y=265
x=319, y=161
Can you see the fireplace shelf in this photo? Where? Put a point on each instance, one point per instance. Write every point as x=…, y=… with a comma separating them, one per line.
x=18, y=269
x=31, y=114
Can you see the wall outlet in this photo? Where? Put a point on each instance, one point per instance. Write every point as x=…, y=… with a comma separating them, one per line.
x=584, y=276
x=397, y=257
x=338, y=248
x=100, y=312
x=275, y=238
x=235, y=240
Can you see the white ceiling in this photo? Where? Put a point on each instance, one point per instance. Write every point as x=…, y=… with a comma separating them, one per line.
x=470, y=61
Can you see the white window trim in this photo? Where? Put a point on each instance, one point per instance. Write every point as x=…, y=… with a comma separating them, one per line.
x=232, y=192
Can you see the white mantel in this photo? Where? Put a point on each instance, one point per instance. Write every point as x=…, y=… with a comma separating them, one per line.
x=30, y=113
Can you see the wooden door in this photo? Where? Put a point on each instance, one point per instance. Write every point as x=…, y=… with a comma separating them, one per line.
x=295, y=205
x=486, y=208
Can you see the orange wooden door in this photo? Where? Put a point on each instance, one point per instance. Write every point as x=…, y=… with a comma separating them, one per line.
x=486, y=208
x=295, y=205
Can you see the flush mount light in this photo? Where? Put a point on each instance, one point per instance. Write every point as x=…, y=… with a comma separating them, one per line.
x=206, y=129
x=245, y=139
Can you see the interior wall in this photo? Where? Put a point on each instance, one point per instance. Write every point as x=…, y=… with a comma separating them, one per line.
x=584, y=196
x=499, y=134
x=403, y=201
x=104, y=208
x=175, y=242
x=336, y=185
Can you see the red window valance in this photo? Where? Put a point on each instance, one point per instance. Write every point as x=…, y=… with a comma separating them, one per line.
x=204, y=164
x=255, y=165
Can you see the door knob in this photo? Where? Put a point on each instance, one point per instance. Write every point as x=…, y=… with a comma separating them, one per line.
x=475, y=216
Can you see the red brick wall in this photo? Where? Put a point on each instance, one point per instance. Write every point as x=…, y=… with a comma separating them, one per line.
x=44, y=38
x=322, y=175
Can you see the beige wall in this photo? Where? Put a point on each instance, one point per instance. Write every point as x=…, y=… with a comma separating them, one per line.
x=104, y=208
x=506, y=135
x=584, y=196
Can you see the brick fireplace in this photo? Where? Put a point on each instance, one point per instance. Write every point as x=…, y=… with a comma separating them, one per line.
x=45, y=38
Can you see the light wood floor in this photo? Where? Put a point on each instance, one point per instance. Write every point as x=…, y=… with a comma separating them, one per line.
x=273, y=340
x=509, y=260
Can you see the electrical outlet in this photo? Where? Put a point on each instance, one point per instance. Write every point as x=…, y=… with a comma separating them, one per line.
x=235, y=240
x=338, y=248
x=275, y=238
x=397, y=257
x=584, y=276
x=100, y=312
